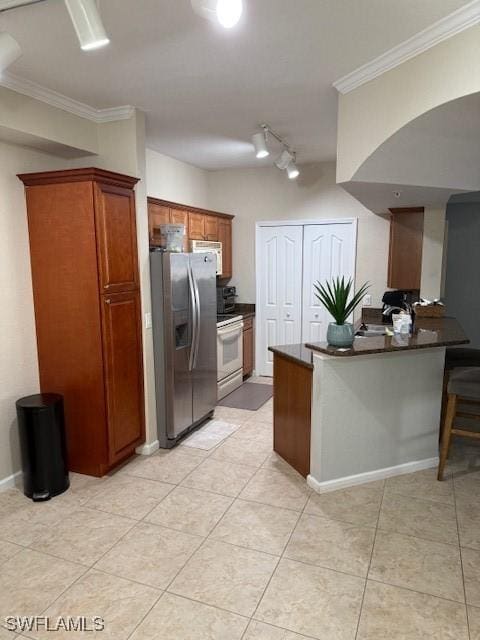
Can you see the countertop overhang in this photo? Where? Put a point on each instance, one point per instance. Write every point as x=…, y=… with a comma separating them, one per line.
x=428, y=333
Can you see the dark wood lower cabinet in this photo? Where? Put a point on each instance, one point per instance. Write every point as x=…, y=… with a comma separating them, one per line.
x=248, y=347
x=122, y=339
x=292, y=406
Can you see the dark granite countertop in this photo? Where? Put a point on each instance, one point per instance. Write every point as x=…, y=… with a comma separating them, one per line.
x=298, y=353
x=427, y=334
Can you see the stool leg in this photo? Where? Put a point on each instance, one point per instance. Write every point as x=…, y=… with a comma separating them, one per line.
x=447, y=433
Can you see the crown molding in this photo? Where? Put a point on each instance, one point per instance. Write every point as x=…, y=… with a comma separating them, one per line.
x=458, y=21
x=58, y=100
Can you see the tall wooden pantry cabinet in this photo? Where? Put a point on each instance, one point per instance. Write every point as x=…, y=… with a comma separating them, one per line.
x=83, y=247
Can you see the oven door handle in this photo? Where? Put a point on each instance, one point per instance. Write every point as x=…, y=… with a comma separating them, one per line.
x=235, y=328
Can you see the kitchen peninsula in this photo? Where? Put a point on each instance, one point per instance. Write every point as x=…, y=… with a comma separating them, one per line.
x=349, y=416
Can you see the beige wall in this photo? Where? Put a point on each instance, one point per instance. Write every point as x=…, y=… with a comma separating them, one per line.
x=433, y=251
x=372, y=113
x=254, y=195
x=170, y=179
x=40, y=125
x=18, y=350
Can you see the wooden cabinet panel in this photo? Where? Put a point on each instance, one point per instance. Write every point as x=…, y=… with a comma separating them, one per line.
x=225, y=237
x=292, y=406
x=157, y=215
x=201, y=224
x=211, y=228
x=248, y=341
x=196, y=226
x=116, y=238
x=63, y=259
x=123, y=371
x=82, y=237
x=178, y=216
x=406, y=245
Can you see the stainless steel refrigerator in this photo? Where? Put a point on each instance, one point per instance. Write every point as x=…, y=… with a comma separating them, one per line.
x=184, y=322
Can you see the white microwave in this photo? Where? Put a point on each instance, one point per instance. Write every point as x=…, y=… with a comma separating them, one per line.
x=207, y=246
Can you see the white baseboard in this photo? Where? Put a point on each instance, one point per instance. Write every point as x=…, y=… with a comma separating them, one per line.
x=15, y=480
x=370, y=476
x=148, y=448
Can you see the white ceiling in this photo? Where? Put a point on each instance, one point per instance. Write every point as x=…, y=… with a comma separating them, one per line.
x=204, y=89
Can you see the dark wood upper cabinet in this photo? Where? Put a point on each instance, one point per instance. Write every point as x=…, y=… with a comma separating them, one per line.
x=196, y=226
x=225, y=237
x=406, y=248
x=87, y=310
x=157, y=215
x=211, y=228
x=200, y=224
x=116, y=237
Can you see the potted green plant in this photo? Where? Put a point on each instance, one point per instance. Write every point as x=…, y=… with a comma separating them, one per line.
x=337, y=299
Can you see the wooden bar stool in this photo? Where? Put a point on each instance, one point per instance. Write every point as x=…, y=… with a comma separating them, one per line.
x=464, y=389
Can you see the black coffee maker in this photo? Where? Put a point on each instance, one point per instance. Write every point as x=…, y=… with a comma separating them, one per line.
x=395, y=302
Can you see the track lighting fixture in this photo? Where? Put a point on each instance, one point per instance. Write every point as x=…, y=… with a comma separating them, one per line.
x=287, y=158
x=87, y=24
x=9, y=50
x=284, y=159
x=260, y=143
x=226, y=12
x=292, y=171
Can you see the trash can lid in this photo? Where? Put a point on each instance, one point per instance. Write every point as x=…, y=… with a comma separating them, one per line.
x=39, y=401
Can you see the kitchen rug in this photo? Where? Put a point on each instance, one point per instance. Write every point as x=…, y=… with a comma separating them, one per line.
x=250, y=396
x=210, y=435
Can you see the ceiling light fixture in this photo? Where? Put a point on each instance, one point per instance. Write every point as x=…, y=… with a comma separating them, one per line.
x=292, y=171
x=9, y=50
x=87, y=23
x=226, y=12
x=260, y=143
x=85, y=18
x=286, y=161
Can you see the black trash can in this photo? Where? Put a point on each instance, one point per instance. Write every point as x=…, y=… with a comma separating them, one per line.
x=42, y=440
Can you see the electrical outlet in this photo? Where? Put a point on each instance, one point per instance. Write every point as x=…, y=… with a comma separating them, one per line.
x=148, y=321
x=367, y=301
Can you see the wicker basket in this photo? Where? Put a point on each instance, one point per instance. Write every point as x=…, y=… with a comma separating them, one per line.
x=430, y=311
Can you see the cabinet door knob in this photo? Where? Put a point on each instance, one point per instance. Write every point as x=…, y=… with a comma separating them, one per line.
x=288, y=315
x=108, y=301
x=316, y=315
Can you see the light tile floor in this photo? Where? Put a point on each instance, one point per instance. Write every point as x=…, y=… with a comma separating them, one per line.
x=231, y=544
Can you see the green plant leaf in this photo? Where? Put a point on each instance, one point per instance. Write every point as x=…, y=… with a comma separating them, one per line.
x=336, y=297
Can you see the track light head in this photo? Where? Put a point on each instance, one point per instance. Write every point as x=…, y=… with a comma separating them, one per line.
x=9, y=50
x=260, y=143
x=284, y=159
x=226, y=12
x=292, y=171
x=87, y=23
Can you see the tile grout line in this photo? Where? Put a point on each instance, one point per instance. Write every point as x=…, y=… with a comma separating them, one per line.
x=87, y=569
x=281, y=557
x=461, y=559
x=370, y=562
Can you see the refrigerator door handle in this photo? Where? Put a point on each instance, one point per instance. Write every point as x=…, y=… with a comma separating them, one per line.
x=198, y=320
x=193, y=300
